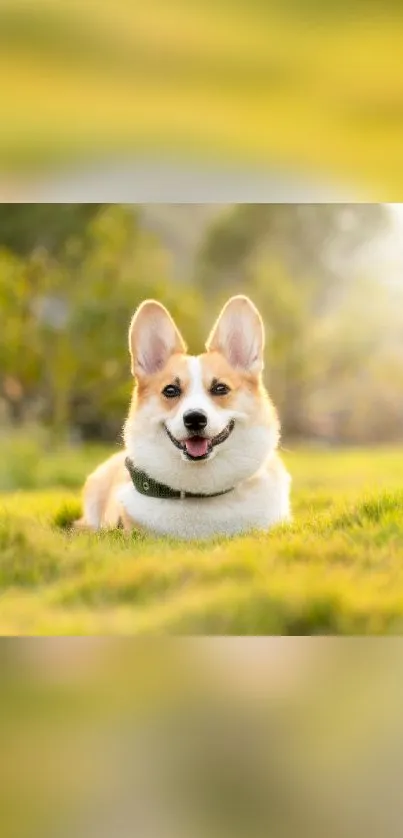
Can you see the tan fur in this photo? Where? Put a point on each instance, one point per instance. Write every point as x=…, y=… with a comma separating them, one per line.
x=99, y=493
x=215, y=366
x=153, y=385
x=234, y=357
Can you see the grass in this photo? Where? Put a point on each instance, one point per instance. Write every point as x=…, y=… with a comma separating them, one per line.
x=337, y=569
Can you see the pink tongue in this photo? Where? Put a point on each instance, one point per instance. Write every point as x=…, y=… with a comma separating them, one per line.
x=196, y=446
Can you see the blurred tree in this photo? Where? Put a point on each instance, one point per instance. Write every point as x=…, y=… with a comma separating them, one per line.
x=334, y=354
x=24, y=227
x=63, y=348
x=301, y=265
x=316, y=240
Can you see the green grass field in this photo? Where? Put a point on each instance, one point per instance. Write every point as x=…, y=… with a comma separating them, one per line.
x=337, y=569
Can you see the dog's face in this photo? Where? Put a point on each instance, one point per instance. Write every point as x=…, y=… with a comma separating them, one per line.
x=199, y=423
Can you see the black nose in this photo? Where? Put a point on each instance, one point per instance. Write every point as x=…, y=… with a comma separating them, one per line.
x=195, y=420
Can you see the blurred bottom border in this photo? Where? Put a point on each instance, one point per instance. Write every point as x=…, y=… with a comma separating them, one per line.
x=203, y=737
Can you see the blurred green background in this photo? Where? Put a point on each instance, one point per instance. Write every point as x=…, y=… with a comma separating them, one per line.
x=327, y=279
x=290, y=87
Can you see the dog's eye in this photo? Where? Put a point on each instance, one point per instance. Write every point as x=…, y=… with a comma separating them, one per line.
x=171, y=391
x=219, y=389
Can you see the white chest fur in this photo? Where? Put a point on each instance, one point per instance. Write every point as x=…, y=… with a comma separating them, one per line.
x=257, y=503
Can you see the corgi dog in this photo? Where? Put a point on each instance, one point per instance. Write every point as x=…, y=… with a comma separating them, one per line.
x=201, y=436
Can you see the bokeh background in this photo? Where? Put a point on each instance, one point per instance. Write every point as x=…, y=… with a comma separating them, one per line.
x=327, y=279
x=178, y=98
x=213, y=739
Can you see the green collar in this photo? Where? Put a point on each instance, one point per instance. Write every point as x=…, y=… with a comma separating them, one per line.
x=147, y=486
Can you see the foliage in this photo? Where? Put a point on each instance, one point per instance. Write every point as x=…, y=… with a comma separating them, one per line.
x=71, y=276
x=318, y=240
x=329, y=325
x=23, y=230
x=63, y=347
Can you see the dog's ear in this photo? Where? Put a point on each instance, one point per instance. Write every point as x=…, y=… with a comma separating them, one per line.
x=239, y=335
x=153, y=338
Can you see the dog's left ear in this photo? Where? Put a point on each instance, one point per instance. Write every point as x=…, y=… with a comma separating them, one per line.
x=239, y=335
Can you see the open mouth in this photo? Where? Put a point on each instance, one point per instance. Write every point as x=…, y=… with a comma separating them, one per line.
x=198, y=447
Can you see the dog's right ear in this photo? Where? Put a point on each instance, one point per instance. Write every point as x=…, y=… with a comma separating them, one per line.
x=239, y=335
x=153, y=338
